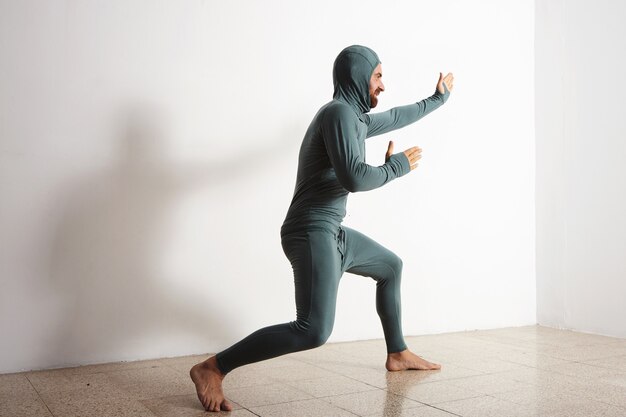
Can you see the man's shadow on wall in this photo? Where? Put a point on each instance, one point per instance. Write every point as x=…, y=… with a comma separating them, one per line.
x=108, y=238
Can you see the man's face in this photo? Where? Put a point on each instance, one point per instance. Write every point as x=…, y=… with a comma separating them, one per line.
x=376, y=85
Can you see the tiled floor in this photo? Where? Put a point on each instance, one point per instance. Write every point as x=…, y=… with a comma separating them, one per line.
x=523, y=371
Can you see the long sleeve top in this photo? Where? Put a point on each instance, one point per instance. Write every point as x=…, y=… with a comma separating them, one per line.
x=331, y=162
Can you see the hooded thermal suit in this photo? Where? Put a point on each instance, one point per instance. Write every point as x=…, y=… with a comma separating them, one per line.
x=332, y=164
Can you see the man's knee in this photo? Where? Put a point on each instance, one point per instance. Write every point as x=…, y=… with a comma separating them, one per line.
x=318, y=338
x=395, y=263
x=315, y=335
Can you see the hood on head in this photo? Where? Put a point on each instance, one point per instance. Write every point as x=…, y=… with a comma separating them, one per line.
x=352, y=71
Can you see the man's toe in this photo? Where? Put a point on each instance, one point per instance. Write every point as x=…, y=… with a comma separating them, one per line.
x=211, y=405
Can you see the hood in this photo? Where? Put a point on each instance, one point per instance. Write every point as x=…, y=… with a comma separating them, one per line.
x=352, y=71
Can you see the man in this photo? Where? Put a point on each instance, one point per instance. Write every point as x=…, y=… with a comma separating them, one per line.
x=331, y=165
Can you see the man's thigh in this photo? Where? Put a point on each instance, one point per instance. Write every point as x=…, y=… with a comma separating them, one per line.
x=364, y=256
x=316, y=263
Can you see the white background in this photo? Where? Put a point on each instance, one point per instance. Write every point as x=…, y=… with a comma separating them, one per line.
x=148, y=155
x=581, y=165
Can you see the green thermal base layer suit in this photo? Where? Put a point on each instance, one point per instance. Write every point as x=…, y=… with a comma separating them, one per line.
x=332, y=164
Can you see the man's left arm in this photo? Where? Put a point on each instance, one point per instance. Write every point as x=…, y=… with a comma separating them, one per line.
x=398, y=117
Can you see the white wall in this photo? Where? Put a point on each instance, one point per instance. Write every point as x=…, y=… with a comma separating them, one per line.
x=581, y=176
x=148, y=154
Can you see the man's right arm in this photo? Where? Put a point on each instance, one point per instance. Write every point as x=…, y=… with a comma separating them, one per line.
x=339, y=131
x=398, y=117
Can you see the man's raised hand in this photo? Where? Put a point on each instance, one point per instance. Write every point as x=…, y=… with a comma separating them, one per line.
x=448, y=80
x=413, y=154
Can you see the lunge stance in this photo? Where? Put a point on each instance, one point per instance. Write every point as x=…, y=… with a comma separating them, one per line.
x=331, y=165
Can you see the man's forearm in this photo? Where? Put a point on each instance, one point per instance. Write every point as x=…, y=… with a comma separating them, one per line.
x=399, y=117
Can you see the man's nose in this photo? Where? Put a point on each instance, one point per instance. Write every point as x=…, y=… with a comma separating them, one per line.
x=382, y=86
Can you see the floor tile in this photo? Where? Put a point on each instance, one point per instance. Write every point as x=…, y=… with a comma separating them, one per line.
x=426, y=411
x=614, y=378
x=488, y=384
x=23, y=406
x=409, y=378
x=297, y=372
x=61, y=381
x=581, y=370
x=486, y=406
x=187, y=406
x=612, y=411
x=584, y=352
x=15, y=385
x=371, y=375
x=265, y=395
x=614, y=362
x=540, y=377
x=529, y=359
x=372, y=402
x=155, y=382
x=447, y=371
x=94, y=402
x=522, y=371
x=597, y=391
x=246, y=377
x=433, y=392
x=570, y=406
x=488, y=365
x=335, y=385
x=304, y=408
x=534, y=396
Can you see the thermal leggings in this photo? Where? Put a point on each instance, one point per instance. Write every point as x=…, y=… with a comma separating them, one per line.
x=319, y=258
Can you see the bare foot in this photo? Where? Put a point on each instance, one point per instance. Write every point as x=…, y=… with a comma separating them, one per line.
x=406, y=359
x=208, y=379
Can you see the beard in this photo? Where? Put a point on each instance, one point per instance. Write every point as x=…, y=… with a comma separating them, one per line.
x=373, y=100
